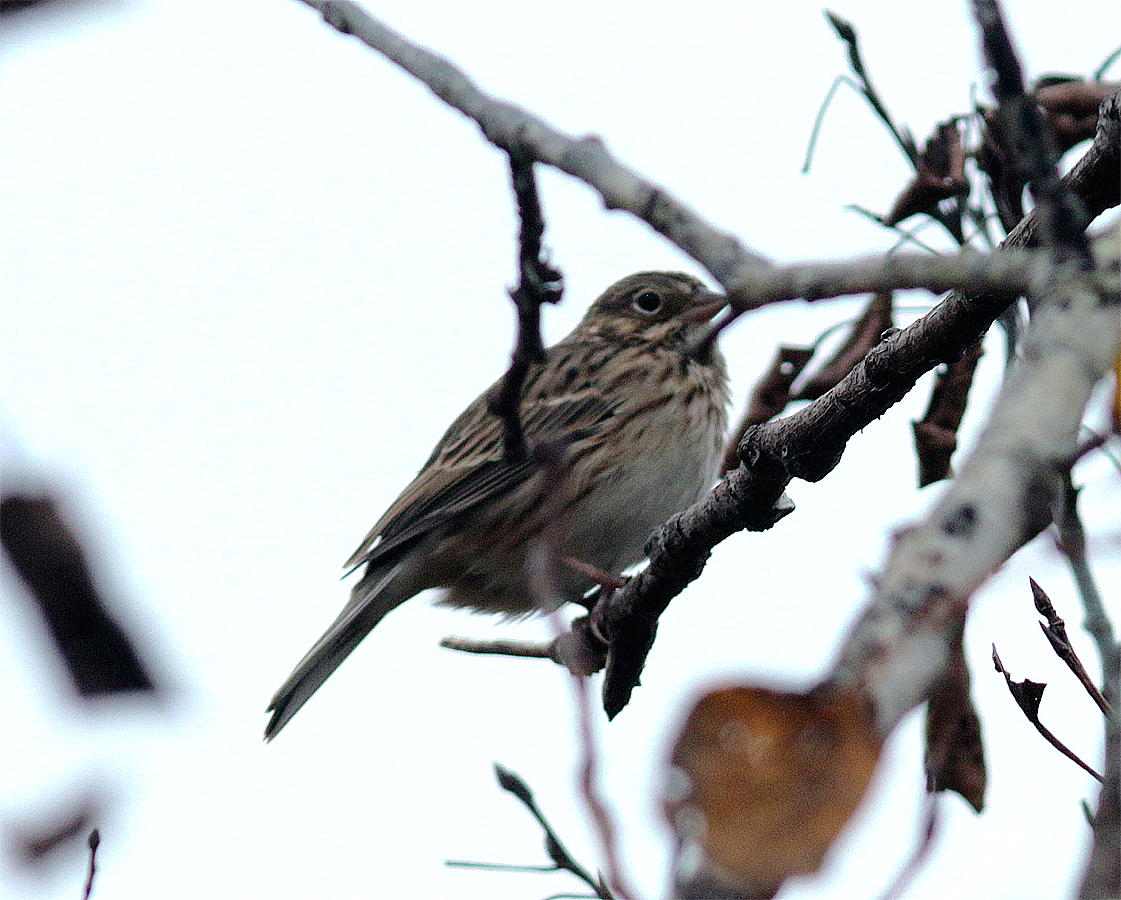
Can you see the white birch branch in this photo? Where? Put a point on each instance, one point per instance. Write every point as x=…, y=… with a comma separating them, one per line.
x=1007, y=491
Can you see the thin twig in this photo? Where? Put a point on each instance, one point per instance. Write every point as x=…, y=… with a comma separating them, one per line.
x=1100, y=71
x=498, y=867
x=93, y=843
x=1027, y=695
x=558, y=853
x=819, y=119
x=919, y=855
x=905, y=236
x=538, y=283
x=847, y=33
x=1097, y=622
x=1055, y=631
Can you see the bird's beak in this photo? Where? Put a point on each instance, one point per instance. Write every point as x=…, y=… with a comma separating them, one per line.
x=705, y=307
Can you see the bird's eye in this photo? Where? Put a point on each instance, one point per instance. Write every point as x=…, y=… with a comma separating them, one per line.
x=647, y=303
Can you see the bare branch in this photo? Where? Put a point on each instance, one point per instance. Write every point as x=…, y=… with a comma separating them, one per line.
x=538, y=282
x=810, y=443
x=1007, y=273
x=93, y=843
x=588, y=159
x=557, y=852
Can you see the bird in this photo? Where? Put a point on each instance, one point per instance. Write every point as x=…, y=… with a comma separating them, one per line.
x=634, y=416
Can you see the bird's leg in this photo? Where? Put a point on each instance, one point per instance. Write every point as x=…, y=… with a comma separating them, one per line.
x=605, y=580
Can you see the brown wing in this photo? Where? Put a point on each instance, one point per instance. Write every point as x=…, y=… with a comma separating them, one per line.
x=467, y=467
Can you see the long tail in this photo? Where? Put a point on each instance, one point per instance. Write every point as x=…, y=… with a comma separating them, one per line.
x=375, y=595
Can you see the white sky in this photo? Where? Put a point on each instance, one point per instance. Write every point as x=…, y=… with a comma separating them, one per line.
x=250, y=273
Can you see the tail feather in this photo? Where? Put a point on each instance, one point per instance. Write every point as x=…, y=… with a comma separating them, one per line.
x=374, y=596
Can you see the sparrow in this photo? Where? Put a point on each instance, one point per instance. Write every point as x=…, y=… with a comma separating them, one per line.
x=634, y=416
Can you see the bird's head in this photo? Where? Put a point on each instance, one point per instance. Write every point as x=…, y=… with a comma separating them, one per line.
x=669, y=308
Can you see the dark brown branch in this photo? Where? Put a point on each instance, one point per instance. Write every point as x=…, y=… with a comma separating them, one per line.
x=955, y=754
x=1055, y=631
x=538, y=283
x=1097, y=623
x=93, y=843
x=809, y=443
x=99, y=655
x=1027, y=695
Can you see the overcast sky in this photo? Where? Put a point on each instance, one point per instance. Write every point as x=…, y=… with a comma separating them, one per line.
x=250, y=273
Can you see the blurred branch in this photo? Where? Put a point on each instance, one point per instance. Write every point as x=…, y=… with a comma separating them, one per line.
x=98, y=653
x=93, y=843
x=919, y=855
x=558, y=853
x=936, y=433
x=1032, y=153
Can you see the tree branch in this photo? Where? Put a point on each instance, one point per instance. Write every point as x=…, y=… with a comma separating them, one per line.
x=1032, y=152
x=809, y=443
x=538, y=283
x=588, y=159
x=1008, y=491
